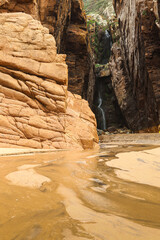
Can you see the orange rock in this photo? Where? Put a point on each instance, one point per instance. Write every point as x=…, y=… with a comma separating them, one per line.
x=36, y=109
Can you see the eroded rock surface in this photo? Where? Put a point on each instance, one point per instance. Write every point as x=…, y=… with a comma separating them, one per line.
x=135, y=64
x=36, y=110
x=66, y=20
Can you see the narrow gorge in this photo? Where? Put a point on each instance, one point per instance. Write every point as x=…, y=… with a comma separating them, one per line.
x=79, y=119
x=131, y=77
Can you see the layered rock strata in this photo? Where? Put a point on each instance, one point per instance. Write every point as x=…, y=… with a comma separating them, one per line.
x=135, y=64
x=36, y=110
x=66, y=20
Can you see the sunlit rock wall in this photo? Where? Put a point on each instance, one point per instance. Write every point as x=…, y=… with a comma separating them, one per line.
x=36, y=110
x=66, y=20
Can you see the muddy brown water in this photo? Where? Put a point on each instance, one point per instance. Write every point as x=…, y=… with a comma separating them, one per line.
x=82, y=197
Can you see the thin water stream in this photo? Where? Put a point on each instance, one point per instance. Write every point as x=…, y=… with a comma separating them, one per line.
x=102, y=113
x=80, y=195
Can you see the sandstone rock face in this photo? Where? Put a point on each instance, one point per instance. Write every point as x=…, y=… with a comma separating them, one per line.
x=75, y=43
x=36, y=110
x=66, y=20
x=151, y=37
x=135, y=64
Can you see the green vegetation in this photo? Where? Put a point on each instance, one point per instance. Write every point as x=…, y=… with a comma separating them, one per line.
x=97, y=30
x=98, y=6
x=101, y=17
x=97, y=65
x=144, y=13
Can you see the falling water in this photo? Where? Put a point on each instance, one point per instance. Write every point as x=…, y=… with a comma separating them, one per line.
x=108, y=42
x=103, y=117
x=107, y=34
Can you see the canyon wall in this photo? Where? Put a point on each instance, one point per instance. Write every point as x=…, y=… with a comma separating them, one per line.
x=36, y=110
x=135, y=63
x=66, y=20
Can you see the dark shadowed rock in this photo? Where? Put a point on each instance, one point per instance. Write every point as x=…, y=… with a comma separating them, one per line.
x=135, y=64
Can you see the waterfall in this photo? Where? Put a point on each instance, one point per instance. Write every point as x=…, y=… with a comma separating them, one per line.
x=107, y=34
x=102, y=79
x=106, y=44
x=103, y=117
x=108, y=41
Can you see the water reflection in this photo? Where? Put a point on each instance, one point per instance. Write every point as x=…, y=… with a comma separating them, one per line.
x=84, y=199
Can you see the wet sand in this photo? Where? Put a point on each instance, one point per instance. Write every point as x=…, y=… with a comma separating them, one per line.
x=141, y=167
x=136, y=138
x=78, y=196
x=27, y=178
x=22, y=151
